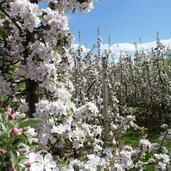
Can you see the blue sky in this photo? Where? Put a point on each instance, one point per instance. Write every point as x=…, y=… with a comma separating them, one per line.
x=124, y=20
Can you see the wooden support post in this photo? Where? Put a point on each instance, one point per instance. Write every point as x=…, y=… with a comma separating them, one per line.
x=105, y=98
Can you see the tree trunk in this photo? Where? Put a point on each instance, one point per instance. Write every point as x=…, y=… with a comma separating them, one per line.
x=32, y=96
x=31, y=85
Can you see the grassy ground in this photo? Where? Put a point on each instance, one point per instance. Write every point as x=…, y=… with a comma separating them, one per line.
x=132, y=138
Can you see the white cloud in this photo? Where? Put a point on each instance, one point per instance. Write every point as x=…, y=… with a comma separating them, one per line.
x=84, y=49
x=126, y=48
x=130, y=48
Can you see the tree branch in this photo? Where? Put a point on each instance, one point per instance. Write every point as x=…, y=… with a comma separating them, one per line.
x=11, y=18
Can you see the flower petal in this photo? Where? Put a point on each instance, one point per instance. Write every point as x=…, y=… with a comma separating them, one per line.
x=48, y=158
x=36, y=167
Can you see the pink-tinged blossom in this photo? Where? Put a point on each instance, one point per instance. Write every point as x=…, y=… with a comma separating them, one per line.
x=15, y=131
x=27, y=11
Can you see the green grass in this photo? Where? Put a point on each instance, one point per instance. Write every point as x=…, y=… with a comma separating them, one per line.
x=149, y=168
x=168, y=144
x=132, y=138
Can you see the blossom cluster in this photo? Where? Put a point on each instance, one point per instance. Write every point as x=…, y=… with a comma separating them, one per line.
x=65, y=5
x=5, y=87
x=68, y=116
x=27, y=11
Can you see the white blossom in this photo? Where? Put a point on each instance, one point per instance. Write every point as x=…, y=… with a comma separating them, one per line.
x=40, y=163
x=27, y=11
x=146, y=145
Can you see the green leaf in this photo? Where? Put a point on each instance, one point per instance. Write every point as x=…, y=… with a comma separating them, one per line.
x=30, y=122
x=3, y=98
x=19, y=167
x=2, y=16
x=3, y=117
x=13, y=158
x=10, y=125
x=3, y=135
x=22, y=160
x=1, y=126
x=21, y=138
x=1, y=110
